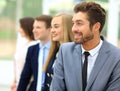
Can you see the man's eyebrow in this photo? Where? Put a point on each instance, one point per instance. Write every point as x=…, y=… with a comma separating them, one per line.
x=77, y=21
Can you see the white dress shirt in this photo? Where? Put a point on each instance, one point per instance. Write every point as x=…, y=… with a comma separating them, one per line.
x=91, y=58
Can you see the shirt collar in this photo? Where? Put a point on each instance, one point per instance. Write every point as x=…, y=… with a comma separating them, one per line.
x=47, y=45
x=95, y=50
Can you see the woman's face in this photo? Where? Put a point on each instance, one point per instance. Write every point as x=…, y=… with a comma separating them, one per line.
x=57, y=29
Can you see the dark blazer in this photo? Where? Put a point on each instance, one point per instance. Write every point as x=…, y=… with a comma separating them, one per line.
x=30, y=69
x=105, y=75
x=49, y=74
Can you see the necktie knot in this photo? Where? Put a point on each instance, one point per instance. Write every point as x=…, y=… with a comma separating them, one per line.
x=86, y=54
x=42, y=47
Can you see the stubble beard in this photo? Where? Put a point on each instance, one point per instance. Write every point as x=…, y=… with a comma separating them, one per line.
x=84, y=39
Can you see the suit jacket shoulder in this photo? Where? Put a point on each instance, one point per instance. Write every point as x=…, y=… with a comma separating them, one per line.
x=110, y=48
x=33, y=47
x=70, y=46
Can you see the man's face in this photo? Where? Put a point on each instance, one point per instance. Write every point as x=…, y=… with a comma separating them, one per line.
x=81, y=28
x=40, y=31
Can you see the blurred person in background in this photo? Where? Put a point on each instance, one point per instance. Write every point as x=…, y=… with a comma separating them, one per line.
x=61, y=32
x=36, y=55
x=25, y=30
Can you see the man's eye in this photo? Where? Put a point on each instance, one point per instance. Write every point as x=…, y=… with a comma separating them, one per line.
x=79, y=24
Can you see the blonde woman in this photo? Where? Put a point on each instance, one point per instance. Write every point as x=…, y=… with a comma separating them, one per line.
x=61, y=32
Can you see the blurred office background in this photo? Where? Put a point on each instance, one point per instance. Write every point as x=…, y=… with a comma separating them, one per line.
x=12, y=10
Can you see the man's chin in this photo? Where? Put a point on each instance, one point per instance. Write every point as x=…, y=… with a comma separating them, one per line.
x=36, y=38
x=77, y=42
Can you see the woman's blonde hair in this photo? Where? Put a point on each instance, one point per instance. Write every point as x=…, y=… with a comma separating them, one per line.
x=68, y=37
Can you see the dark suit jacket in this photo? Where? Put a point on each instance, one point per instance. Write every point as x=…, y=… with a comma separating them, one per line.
x=30, y=69
x=49, y=74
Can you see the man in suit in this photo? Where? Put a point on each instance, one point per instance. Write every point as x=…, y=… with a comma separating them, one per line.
x=102, y=68
x=33, y=64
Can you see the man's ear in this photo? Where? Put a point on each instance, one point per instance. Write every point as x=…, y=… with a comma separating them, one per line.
x=97, y=26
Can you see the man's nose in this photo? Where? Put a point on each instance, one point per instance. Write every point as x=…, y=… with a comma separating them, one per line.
x=74, y=28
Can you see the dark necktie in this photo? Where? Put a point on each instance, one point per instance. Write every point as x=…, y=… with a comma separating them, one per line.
x=84, y=70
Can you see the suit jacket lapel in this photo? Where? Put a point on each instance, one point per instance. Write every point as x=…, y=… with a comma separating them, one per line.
x=101, y=59
x=78, y=58
x=35, y=59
